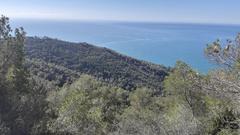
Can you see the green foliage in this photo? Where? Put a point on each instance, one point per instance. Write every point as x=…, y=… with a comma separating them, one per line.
x=13, y=76
x=141, y=98
x=180, y=80
x=143, y=116
x=82, y=58
x=225, y=54
x=188, y=90
x=89, y=107
x=22, y=100
x=119, y=96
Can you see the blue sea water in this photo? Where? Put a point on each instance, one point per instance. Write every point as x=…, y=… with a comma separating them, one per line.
x=154, y=42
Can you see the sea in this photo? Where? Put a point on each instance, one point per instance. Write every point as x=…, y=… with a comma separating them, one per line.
x=160, y=43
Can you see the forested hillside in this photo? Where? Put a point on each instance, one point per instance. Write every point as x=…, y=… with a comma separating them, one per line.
x=62, y=88
x=62, y=62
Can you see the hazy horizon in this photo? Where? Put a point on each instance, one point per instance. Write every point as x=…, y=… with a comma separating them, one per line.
x=172, y=11
x=13, y=19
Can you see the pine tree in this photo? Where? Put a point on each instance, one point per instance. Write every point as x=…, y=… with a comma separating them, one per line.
x=13, y=76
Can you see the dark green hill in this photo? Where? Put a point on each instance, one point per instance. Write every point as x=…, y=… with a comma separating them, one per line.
x=63, y=62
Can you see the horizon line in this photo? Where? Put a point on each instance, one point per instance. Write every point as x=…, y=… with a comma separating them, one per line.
x=124, y=21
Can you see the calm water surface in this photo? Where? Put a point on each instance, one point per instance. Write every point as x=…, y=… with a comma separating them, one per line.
x=155, y=42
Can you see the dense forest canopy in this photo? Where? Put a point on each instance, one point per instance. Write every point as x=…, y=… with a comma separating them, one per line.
x=64, y=62
x=52, y=87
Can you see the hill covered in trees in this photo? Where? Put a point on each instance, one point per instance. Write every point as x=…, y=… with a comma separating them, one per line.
x=62, y=62
x=62, y=88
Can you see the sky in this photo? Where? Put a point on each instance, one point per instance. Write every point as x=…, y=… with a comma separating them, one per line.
x=185, y=11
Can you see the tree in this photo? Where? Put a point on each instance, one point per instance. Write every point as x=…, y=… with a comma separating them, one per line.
x=13, y=75
x=88, y=107
x=12, y=56
x=225, y=80
x=227, y=55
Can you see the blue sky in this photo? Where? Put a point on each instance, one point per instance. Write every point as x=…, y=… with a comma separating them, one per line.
x=189, y=11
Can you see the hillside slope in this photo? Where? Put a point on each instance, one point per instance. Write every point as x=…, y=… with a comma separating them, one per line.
x=62, y=62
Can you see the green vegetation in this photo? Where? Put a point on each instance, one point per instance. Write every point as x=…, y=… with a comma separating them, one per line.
x=63, y=62
x=92, y=105
x=62, y=88
x=22, y=98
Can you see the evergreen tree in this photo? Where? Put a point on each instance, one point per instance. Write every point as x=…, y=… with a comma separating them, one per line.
x=13, y=76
